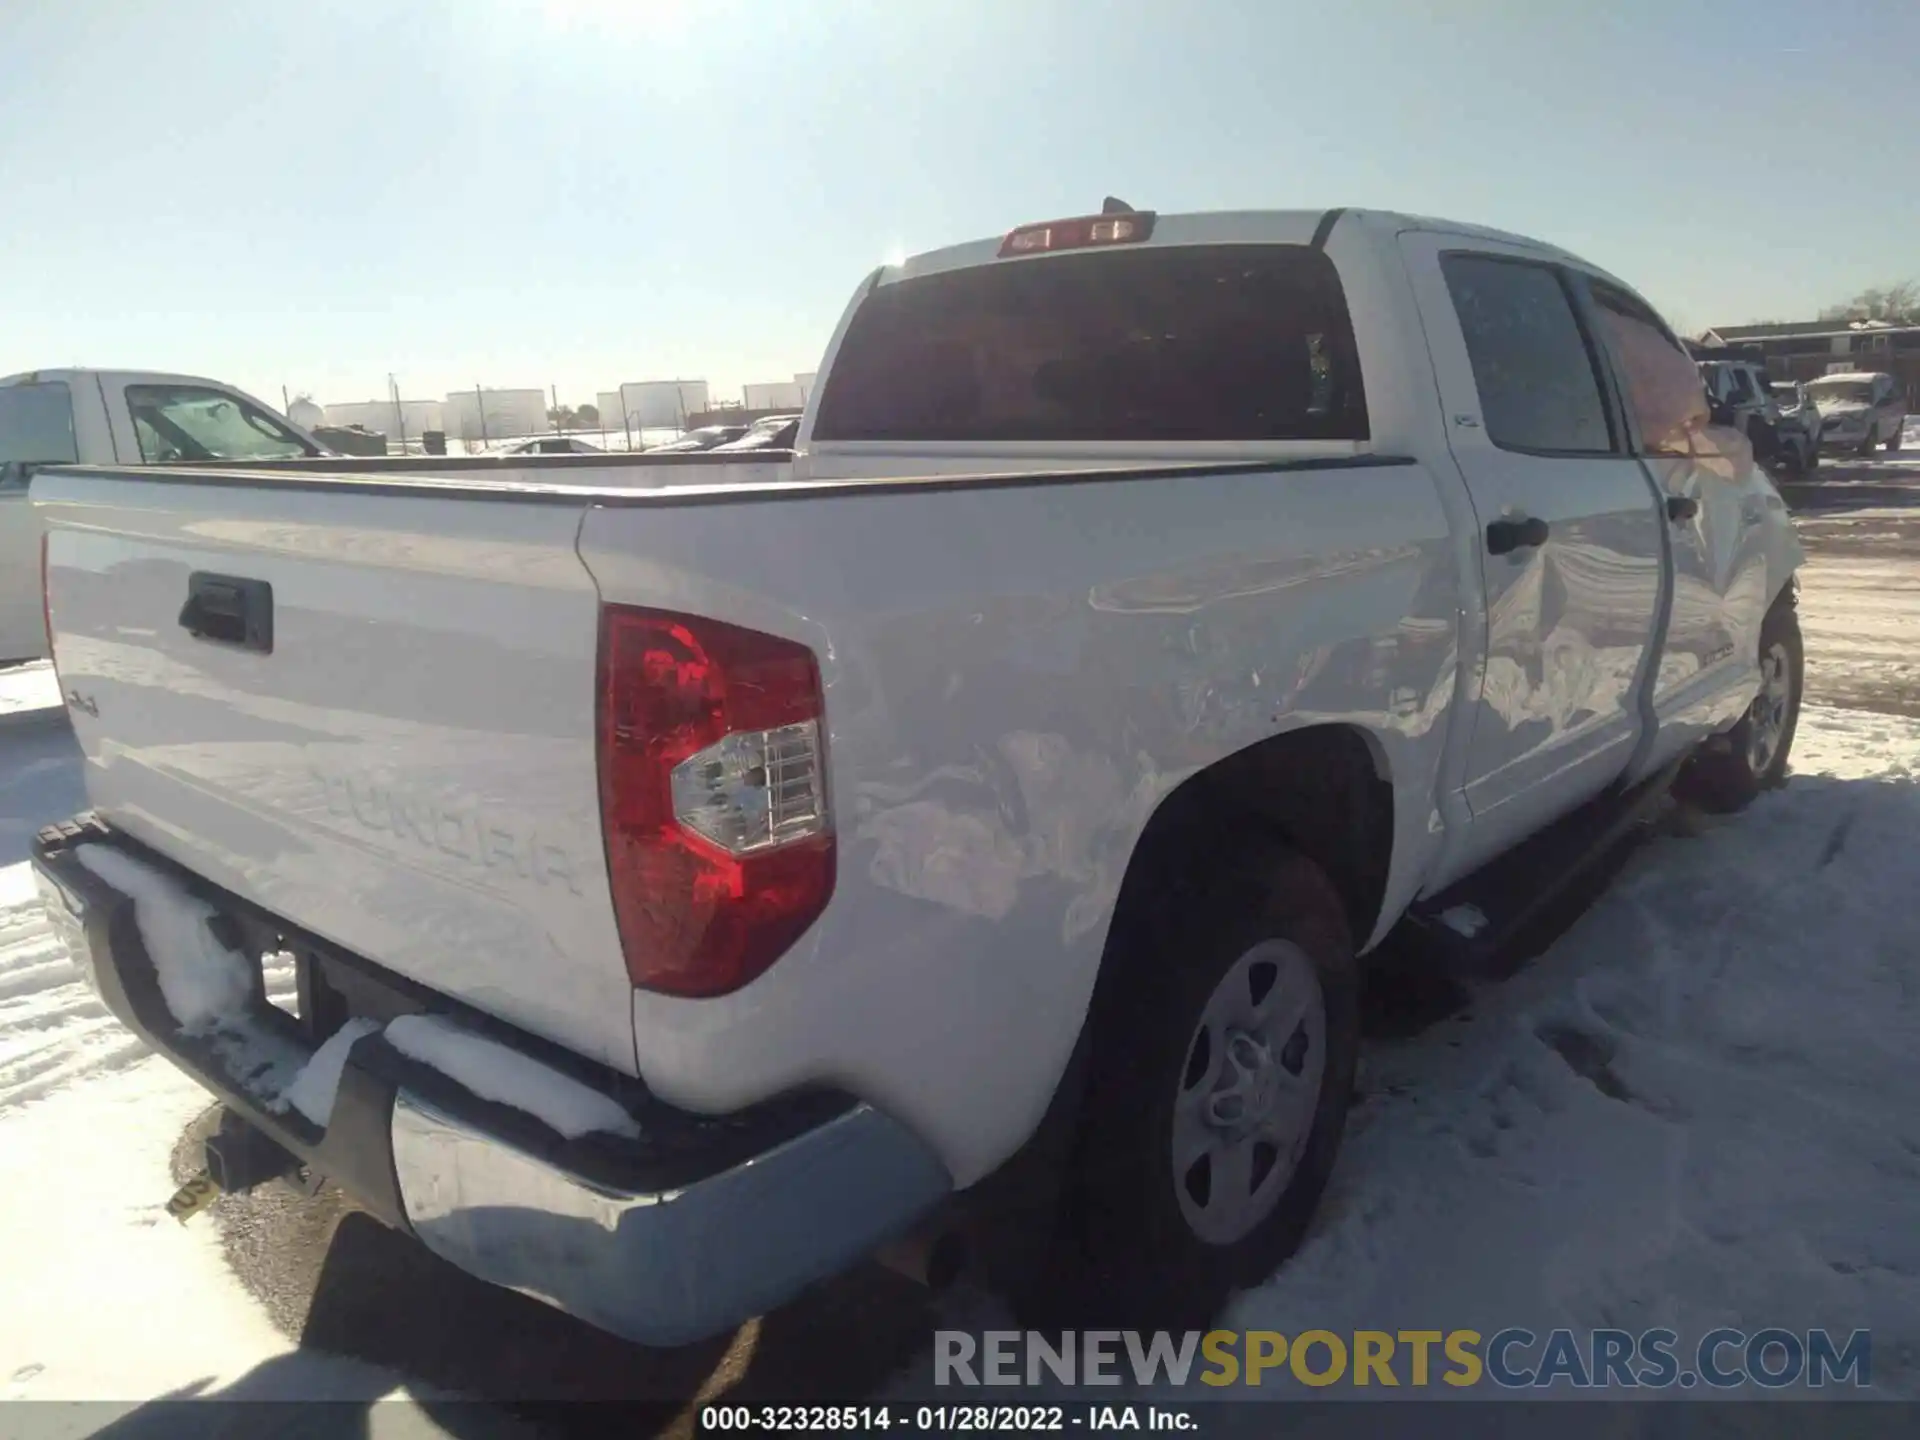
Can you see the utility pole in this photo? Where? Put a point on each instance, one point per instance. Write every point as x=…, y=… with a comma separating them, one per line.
x=480, y=399
x=399, y=412
x=286, y=405
x=554, y=391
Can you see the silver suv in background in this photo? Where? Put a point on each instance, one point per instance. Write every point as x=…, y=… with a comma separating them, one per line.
x=1859, y=410
x=1799, y=424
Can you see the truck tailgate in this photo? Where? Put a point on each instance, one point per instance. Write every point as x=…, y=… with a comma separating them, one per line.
x=383, y=733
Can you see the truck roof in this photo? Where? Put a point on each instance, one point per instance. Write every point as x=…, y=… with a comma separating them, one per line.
x=1230, y=227
x=70, y=373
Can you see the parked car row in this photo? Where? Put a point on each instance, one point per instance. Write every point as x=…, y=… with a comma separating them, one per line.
x=1789, y=422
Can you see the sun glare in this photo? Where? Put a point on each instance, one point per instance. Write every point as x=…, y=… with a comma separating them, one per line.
x=652, y=15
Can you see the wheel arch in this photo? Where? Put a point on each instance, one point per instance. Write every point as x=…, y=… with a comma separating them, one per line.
x=1326, y=791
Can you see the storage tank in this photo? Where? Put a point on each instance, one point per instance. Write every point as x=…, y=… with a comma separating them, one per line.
x=662, y=404
x=780, y=395
x=495, y=414
x=307, y=415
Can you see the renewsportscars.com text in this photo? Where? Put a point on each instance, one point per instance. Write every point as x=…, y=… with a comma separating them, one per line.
x=1513, y=1358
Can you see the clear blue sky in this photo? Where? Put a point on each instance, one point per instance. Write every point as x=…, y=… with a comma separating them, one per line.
x=580, y=192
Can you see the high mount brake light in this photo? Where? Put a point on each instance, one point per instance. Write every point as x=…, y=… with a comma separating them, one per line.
x=713, y=799
x=1079, y=233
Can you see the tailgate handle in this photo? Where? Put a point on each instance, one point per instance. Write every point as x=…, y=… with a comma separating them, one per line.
x=229, y=610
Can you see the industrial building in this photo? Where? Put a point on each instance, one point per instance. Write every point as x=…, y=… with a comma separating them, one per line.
x=653, y=404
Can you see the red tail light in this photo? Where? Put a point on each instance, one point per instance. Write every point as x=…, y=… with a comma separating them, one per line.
x=712, y=797
x=1121, y=229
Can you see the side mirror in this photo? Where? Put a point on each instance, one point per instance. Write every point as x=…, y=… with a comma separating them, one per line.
x=1719, y=412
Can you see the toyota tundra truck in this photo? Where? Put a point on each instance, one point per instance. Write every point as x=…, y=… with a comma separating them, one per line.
x=697, y=888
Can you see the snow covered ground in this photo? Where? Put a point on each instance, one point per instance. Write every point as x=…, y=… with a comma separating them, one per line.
x=1696, y=1109
x=27, y=692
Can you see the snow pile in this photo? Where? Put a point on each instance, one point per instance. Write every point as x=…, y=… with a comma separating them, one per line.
x=313, y=1089
x=209, y=990
x=1467, y=920
x=494, y=1072
x=27, y=690
x=202, y=981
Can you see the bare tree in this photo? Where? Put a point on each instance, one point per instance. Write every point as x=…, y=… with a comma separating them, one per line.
x=1898, y=304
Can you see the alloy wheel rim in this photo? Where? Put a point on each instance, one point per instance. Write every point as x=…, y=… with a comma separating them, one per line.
x=1767, y=719
x=1248, y=1091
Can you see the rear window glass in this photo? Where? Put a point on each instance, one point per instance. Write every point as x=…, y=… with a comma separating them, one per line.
x=36, y=424
x=1220, y=342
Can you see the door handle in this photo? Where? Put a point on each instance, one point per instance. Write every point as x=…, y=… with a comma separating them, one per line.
x=229, y=610
x=1506, y=536
x=1682, y=507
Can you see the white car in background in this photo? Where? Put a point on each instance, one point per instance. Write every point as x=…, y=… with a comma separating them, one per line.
x=112, y=417
x=1859, y=410
x=551, y=445
x=774, y=432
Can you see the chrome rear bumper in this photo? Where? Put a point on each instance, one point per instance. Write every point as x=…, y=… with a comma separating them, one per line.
x=668, y=1267
x=683, y=1230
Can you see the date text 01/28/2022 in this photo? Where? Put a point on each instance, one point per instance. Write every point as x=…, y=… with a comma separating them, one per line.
x=942, y=1419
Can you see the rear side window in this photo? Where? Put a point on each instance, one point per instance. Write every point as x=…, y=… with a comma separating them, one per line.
x=1216, y=342
x=36, y=428
x=1539, y=391
x=190, y=422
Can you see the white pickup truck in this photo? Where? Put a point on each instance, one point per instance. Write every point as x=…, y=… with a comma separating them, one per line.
x=697, y=888
x=111, y=417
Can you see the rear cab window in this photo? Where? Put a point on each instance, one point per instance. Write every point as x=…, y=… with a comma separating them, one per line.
x=1176, y=343
x=191, y=422
x=36, y=428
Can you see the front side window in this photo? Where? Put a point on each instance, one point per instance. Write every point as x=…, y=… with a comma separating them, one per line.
x=189, y=422
x=1538, y=388
x=1171, y=343
x=36, y=428
x=1664, y=393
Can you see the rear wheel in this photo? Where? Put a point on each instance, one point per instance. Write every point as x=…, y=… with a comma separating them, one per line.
x=1894, y=442
x=1730, y=770
x=1223, y=1058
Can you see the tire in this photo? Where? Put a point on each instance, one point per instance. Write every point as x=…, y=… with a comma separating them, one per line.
x=1893, y=442
x=1729, y=771
x=1180, y=1056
